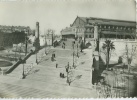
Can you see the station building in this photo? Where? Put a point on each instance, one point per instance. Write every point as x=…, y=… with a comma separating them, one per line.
x=92, y=28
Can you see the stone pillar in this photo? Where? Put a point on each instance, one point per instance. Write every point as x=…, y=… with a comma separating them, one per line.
x=96, y=38
x=37, y=41
x=37, y=30
x=95, y=32
x=96, y=55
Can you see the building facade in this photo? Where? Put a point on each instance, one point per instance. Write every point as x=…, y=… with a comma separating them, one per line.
x=92, y=28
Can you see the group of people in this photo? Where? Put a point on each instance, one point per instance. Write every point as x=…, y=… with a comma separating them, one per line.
x=67, y=71
x=62, y=75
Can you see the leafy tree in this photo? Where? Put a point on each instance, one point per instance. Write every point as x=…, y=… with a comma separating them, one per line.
x=129, y=55
x=108, y=46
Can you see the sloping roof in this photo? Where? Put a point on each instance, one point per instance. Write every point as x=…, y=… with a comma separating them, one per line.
x=83, y=18
x=103, y=21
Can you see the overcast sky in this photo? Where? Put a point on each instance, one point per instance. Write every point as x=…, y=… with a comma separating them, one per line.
x=61, y=13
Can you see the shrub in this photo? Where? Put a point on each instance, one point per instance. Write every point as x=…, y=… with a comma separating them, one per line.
x=2, y=48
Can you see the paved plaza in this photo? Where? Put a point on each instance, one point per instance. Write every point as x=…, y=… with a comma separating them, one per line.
x=43, y=80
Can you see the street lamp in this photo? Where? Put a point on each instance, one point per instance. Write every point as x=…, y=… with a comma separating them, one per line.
x=23, y=74
x=15, y=52
x=26, y=45
x=45, y=43
x=36, y=58
x=73, y=54
x=77, y=51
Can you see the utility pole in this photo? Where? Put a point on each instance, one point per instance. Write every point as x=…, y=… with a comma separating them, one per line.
x=23, y=74
x=26, y=45
x=45, y=41
x=73, y=54
x=52, y=37
x=16, y=52
x=77, y=51
x=36, y=58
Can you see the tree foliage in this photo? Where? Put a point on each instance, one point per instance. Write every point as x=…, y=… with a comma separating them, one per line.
x=8, y=39
x=129, y=54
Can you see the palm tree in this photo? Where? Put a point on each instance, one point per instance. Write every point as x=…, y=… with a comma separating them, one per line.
x=108, y=46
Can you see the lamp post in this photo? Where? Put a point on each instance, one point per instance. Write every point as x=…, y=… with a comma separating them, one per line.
x=67, y=72
x=45, y=43
x=23, y=74
x=73, y=54
x=15, y=52
x=26, y=45
x=77, y=51
x=36, y=58
x=20, y=50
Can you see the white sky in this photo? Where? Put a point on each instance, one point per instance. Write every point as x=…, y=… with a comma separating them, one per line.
x=58, y=14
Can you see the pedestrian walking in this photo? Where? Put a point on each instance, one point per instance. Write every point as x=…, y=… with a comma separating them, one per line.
x=63, y=75
x=60, y=74
x=63, y=45
x=54, y=55
x=56, y=65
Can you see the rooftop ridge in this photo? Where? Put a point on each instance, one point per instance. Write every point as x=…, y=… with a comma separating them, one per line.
x=90, y=18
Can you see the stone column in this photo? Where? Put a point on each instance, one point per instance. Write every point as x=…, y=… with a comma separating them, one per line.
x=37, y=41
x=37, y=30
x=95, y=32
x=96, y=54
x=96, y=37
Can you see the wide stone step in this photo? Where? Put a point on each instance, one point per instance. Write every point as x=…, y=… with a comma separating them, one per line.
x=20, y=91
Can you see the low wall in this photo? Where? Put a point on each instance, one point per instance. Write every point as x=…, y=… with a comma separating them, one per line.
x=18, y=63
x=119, y=48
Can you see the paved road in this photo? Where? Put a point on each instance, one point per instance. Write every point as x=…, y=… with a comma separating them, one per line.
x=43, y=80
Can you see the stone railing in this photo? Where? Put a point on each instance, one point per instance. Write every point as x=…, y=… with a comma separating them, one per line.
x=18, y=63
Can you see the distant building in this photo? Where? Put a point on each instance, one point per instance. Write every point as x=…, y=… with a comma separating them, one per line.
x=10, y=35
x=50, y=38
x=10, y=29
x=91, y=28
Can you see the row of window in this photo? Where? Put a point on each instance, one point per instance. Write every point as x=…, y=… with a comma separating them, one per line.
x=116, y=27
x=89, y=36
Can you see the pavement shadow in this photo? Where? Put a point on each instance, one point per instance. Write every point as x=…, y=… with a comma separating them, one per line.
x=113, y=65
x=60, y=67
x=33, y=72
x=37, y=70
x=82, y=63
x=76, y=78
x=46, y=59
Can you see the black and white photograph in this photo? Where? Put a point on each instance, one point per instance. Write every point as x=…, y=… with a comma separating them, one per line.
x=68, y=49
